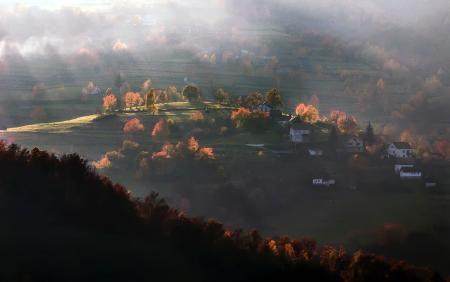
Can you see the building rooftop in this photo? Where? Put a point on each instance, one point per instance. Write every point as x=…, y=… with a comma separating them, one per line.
x=402, y=145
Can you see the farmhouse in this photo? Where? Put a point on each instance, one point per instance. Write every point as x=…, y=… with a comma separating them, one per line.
x=264, y=107
x=300, y=133
x=323, y=182
x=399, y=150
x=313, y=152
x=354, y=145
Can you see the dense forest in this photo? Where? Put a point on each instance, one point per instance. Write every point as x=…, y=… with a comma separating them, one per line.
x=64, y=222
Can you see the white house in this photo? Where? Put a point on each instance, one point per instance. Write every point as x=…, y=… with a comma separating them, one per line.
x=315, y=152
x=403, y=163
x=399, y=150
x=264, y=107
x=354, y=145
x=399, y=167
x=410, y=173
x=323, y=182
x=300, y=133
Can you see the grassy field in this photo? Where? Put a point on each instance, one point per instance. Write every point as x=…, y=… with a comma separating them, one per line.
x=92, y=135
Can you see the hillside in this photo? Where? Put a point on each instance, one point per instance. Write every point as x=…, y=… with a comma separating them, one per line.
x=62, y=222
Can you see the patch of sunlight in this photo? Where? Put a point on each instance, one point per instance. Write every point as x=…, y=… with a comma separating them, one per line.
x=60, y=126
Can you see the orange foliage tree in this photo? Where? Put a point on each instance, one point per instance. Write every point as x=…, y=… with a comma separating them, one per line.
x=103, y=163
x=308, y=113
x=239, y=116
x=197, y=116
x=133, y=125
x=187, y=149
x=344, y=122
x=205, y=153
x=442, y=147
x=161, y=129
x=109, y=102
x=167, y=152
x=132, y=99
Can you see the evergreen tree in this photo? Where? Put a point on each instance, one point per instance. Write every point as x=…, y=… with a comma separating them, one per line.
x=273, y=98
x=369, y=136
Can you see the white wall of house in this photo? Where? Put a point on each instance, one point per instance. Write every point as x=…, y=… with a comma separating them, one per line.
x=395, y=152
x=410, y=175
x=399, y=167
x=299, y=136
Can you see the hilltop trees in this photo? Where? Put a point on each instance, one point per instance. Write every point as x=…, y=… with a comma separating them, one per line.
x=345, y=123
x=132, y=99
x=239, y=116
x=173, y=94
x=308, y=113
x=254, y=99
x=191, y=93
x=273, y=98
x=109, y=102
x=221, y=96
x=254, y=121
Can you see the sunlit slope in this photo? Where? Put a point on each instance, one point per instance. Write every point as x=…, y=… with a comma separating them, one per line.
x=61, y=126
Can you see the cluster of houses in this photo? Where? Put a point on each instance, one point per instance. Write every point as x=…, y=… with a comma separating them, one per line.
x=301, y=133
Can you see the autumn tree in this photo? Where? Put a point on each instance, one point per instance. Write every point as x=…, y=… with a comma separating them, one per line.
x=109, y=102
x=103, y=163
x=254, y=99
x=132, y=99
x=197, y=116
x=86, y=91
x=173, y=94
x=191, y=93
x=222, y=96
x=253, y=121
x=380, y=85
x=344, y=122
x=133, y=125
x=347, y=125
x=369, y=136
x=273, y=98
x=205, y=153
x=239, y=116
x=161, y=129
x=308, y=113
x=167, y=152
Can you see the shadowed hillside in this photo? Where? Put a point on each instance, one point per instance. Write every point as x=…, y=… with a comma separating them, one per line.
x=63, y=222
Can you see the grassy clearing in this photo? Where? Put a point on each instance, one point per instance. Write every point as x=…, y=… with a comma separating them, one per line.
x=177, y=111
x=53, y=127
